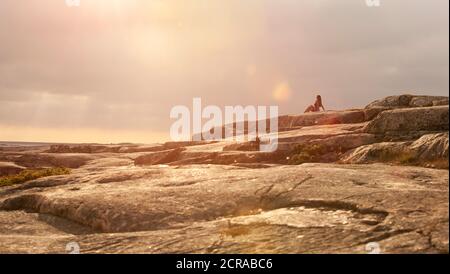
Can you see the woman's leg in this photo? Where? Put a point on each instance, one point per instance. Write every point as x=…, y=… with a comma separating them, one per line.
x=309, y=109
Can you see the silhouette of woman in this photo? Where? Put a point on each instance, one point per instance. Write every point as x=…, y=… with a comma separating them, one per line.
x=317, y=105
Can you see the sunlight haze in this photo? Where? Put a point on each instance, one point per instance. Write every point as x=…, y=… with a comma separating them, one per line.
x=111, y=70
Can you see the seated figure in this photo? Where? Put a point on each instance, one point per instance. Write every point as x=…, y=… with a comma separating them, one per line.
x=317, y=105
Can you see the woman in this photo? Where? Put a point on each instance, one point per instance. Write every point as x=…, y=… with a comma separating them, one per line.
x=317, y=105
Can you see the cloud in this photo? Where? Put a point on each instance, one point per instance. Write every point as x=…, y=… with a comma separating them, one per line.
x=122, y=65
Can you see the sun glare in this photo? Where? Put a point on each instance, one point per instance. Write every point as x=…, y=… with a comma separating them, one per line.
x=282, y=92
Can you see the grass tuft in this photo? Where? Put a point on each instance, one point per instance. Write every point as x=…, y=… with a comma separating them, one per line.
x=311, y=153
x=409, y=158
x=32, y=174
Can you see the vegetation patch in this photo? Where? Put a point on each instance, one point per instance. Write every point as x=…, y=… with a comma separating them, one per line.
x=236, y=231
x=404, y=157
x=312, y=153
x=32, y=174
x=409, y=158
x=438, y=163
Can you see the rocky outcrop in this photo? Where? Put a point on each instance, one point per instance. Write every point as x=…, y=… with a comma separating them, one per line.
x=384, y=151
x=407, y=101
x=328, y=150
x=429, y=150
x=35, y=160
x=120, y=148
x=431, y=146
x=10, y=169
x=371, y=113
x=293, y=122
x=322, y=118
x=428, y=101
x=339, y=180
x=392, y=101
x=83, y=149
x=345, y=142
x=157, y=158
x=335, y=138
x=441, y=102
x=402, y=121
x=330, y=143
x=222, y=209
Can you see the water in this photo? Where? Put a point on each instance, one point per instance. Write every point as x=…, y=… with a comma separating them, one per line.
x=23, y=144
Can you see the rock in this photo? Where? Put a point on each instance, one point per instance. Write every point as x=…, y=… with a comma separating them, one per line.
x=82, y=149
x=161, y=157
x=296, y=122
x=428, y=101
x=10, y=169
x=429, y=149
x=407, y=100
x=319, y=132
x=396, y=101
x=119, y=148
x=172, y=145
x=409, y=119
x=431, y=146
x=371, y=113
x=322, y=118
x=379, y=152
x=40, y=160
x=345, y=142
x=327, y=150
x=381, y=176
x=246, y=146
x=230, y=158
x=443, y=102
x=318, y=208
x=141, y=148
x=229, y=152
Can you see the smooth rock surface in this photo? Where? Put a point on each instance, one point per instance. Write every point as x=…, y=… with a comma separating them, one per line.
x=311, y=208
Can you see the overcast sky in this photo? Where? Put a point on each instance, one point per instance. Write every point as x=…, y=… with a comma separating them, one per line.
x=110, y=70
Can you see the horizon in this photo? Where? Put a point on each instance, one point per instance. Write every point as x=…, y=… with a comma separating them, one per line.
x=110, y=71
x=165, y=139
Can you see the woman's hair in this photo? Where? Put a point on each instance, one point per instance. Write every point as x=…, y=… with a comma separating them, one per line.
x=318, y=97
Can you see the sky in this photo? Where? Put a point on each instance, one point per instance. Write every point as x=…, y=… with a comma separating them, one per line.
x=110, y=71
